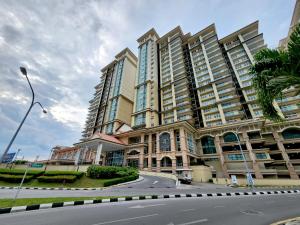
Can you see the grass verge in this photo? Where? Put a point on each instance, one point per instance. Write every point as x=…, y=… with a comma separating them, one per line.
x=83, y=182
x=7, y=202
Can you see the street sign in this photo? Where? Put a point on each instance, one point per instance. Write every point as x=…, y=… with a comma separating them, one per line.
x=37, y=165
x=8, y=157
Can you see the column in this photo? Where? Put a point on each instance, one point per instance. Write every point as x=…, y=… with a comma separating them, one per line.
x=157, y=153
x=150, y=152
x=184, y=150
x=125, y=158
x=141, y=158
x=221, y=155
x=285, y=156
x=256, y=169
x=173, y=151
x=98, y=154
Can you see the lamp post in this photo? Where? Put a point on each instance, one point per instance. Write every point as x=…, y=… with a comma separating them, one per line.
x=248, y=176
x=24, y=72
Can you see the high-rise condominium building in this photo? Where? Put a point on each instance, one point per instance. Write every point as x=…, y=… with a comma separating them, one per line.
x=188, y=100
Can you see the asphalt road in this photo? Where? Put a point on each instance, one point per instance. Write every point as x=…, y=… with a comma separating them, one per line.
x=149, y=186
x=239, y=210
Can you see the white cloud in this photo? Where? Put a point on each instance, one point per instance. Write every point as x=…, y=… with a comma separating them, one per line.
x=70, y=115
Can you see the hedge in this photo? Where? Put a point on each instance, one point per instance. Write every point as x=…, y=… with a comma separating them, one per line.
x=15, y=178
x=105, y=172
x=59, y=173
x=21, y=172
x=120, y=180
x=57, y=179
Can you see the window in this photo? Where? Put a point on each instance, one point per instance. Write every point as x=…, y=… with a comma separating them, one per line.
x=208, y=145
x=140, y=119
x=118, y=77
x=164, y=142
x=143, y=63
x=134, y=140
x=141, y=98
x=261, y=156
x=133, y=152
x=291, y=133
x=109, y=128
x=177, y=141
x=113, y=109
x=190, y=142
x=235, y=156
x=230, y=137
x=166, y=162
x=115, y=158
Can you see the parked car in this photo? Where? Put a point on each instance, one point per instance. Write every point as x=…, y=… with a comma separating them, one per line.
x=185, y=179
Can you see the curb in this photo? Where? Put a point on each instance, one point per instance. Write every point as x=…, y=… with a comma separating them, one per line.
x=285, y=222
x=44, y=188
x=76, y=189
x=97, y=201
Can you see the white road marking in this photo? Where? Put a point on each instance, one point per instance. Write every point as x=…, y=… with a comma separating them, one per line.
x=127, y=219
x=187, y=210
x=219, y=206
x=155, y=182
x=144, y=206
x=192, y=222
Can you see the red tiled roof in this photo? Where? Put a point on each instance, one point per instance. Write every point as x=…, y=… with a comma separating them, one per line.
x=65, y=149
x=106, y=137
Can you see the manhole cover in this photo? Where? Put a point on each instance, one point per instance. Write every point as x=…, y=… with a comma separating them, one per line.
x=251, y=212
x=129, y=187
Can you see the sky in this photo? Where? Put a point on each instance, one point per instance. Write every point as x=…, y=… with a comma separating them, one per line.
x=65, y=43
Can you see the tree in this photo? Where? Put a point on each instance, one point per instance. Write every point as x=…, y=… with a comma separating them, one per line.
x=274, y=71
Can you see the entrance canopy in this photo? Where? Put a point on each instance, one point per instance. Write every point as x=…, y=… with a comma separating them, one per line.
x=99, y=143
x=109, y=143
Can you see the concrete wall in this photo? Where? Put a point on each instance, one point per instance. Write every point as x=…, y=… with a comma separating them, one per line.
x=201, y=173
x=260, y=182
x=166, y=175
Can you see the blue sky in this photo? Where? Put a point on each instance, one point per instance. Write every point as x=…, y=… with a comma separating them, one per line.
x=64, y=44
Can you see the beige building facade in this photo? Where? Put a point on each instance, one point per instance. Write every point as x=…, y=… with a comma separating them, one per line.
x=188, y=100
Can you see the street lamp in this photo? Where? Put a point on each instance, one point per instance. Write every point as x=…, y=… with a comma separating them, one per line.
x=24, y=72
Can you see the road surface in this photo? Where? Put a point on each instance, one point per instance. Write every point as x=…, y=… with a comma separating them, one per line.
x=151, y=185
x=239, y=210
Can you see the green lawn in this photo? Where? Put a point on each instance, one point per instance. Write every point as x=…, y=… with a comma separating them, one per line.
x=7, y=202
x=83, y=182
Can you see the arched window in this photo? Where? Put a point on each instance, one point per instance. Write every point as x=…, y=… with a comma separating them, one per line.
x=230, y=137
x=166, y=162
x=208, y=145
x=164, y=142
x=133, y=152
x=291, y=133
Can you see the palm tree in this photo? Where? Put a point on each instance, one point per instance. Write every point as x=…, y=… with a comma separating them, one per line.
x=274, y=71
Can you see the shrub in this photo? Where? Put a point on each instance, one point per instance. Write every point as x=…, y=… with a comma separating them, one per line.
x=21, y=172
x=57, y=179
x=59, y=173
x=120, y=180
x=15, y=178
x=20, y=162
x=105, y=172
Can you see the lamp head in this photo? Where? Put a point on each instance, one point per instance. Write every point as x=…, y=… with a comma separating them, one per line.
x=44, y=111
x=23, y=71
